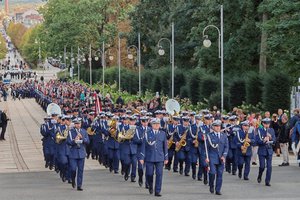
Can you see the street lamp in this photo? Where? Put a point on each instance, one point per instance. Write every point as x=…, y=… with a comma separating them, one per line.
x=102, y=54
x=207, y=44
x=138, y=53
x=162, y=52
x=38, y=41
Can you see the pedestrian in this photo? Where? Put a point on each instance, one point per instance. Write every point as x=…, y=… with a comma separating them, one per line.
x=4, y=120
x=283, y=139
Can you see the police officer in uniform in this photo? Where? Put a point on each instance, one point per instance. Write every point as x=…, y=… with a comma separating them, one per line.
x=265, y=139
x=139, y=138
x=77, y=140
x=129, y=152
x=155, y=155
x=171, y=130
x=204, y=130
x=231, y=162
x=217, y=148
x=244, y=158
x=183, y=153
x=194, y=153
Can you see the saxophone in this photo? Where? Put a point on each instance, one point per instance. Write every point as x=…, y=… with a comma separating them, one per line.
x=246, y=144
x=170, y=141
x=196, y=142
x=182, y=141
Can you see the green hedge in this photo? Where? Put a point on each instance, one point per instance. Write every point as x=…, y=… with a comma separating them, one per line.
x=200, y=86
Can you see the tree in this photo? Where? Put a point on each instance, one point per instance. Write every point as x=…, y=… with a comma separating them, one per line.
x=74, y=23
x=282, y=27
x=237, y=92
x=276, y=93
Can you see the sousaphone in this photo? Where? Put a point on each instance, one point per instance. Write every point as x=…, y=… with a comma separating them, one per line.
x=53, y=109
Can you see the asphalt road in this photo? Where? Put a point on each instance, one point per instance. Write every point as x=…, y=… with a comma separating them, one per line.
x=100, y=184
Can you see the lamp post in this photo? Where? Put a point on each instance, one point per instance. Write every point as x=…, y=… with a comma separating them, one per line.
x=207, y=44
x=119, y=61
x=38, y=41
x=80, y=54
x=102, y=53
x=90, y=64
x=65, y=60
x=161, y=52
x=130, y=56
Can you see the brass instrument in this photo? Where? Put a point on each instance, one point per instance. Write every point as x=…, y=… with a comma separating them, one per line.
x=182, y=142
x=170, y=142
x=53, y=108
x=246, y=144
x=60, y=138
x=127, y=135
x=90, y=131
x=196, y=142
x=113, y=128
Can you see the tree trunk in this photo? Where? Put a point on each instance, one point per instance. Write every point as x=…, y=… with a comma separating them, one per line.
x=263, y=47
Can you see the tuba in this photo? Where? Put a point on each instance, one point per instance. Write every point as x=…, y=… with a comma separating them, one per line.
x=53, y=109
x=172, y=108
x=246, y=144
x=127, y=135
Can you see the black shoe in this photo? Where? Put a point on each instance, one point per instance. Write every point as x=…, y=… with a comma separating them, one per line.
x=63, y=178
x=268, y=184
x=181, y=171
x=150, y=190
x=254, y=163
x=229, y=171
x=205, y=182
x=194, y=176
x=233, y=173
x=51, y=167
x=69, y=181
x=110, y=169
x=46, y=165
x=126, y=177
x=246, y=178
x=259, y=179
x=133, y=179
x=199, y=179
x=146, y=186
x=240, y=175
x=282, y=165
x=140, y=181
x=79, y=189
x=73, y=183
x=218, y=193
x=116, y=172
x=157, y=194
x=186, y=174
x=211, y=189
x=175, y=171
x=287, y=164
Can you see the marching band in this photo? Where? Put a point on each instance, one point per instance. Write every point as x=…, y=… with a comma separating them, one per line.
x=139, y=143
